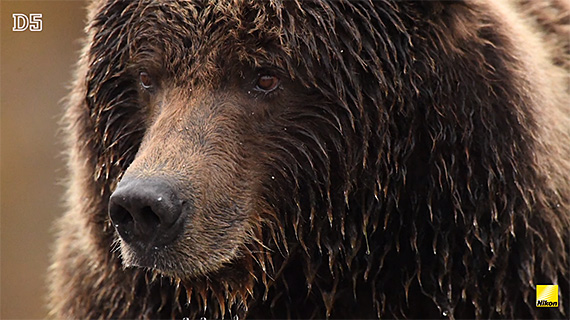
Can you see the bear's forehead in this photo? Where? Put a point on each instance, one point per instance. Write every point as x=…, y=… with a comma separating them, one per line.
x=209, y=40
x=190, y=33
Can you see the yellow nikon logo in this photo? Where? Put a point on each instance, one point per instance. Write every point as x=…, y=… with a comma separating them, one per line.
x=547, y=295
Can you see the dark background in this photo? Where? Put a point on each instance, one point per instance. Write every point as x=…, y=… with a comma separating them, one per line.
x=36, y=69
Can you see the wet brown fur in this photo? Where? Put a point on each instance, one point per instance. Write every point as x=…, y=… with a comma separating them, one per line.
x=413, y=163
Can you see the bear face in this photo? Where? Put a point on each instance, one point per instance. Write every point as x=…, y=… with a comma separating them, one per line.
x=191, y=198
x=312, y=159
x=210, y=128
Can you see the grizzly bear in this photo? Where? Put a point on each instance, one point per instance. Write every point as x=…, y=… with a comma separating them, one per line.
x=313, y=159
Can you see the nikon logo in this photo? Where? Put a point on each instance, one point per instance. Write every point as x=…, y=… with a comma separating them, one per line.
x=547, y=295
x=546, y=303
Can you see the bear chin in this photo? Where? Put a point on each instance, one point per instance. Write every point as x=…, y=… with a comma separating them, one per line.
x=150, y=257
x=165, y=260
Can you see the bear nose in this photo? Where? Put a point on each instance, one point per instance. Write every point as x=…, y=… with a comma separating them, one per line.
x=146, y=212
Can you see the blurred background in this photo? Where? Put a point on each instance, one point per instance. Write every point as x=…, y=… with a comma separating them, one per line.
x=36, y=70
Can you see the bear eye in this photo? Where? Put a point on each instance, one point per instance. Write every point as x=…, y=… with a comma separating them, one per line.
x=267, y=83
x=145, y=80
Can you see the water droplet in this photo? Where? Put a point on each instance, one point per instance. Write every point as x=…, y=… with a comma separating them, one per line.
x=445, y=313
x=155, y=248
x=203, y=318
x=235, y=317
x=272, y=177
x=159, y=199
x=341, y=51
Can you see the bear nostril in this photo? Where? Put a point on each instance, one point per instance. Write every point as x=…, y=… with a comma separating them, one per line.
x=148, y=218
x=120, y=216
x=146, y=212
